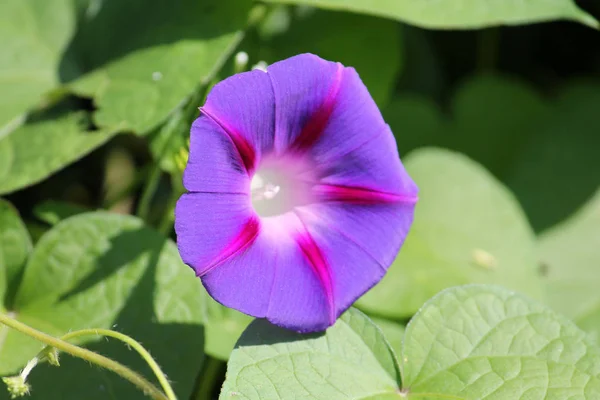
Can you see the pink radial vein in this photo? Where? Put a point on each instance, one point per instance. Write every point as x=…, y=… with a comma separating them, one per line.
x=244, y=149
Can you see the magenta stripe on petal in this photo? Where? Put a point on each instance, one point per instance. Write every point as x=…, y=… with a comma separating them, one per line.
x=245, y=149
x=313, y=254
x=355, y=195
x=244, y=238
x=313, y=128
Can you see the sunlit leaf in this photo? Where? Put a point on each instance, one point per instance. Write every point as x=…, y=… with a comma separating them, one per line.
x=351, y=360
x=34, y=34
x=570, y=256
x=139, y=69
x=449, y=14
x=482, y=343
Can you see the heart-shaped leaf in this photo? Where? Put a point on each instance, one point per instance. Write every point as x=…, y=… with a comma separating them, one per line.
x=482, y=343
x=351, y=360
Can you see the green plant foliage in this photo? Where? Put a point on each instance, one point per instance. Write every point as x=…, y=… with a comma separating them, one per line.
x=15, y=245
x=570, y=255
x=472, y=342
x=34, y=151
x=393, y=332
x=351, y=360
x=447, y=14
x=139, y=70
x=99, y=270
x=481, y=342
x=34, y=34
x=371, y=45
x=468, y=228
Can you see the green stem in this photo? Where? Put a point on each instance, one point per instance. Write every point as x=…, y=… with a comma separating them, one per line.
x=160, y=375
x=207, y=378
x=172, y=127
x=142, y=383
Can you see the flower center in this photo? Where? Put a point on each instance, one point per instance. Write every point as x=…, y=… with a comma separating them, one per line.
x=279, y=186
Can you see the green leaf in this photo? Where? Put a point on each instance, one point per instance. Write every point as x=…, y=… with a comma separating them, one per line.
x=15, y=245
x=351, y=360
x=393, y=332
x=140, y=69
x=34, y=34
x=570, y=253
x=34, y=151
x=99, y=270
x=493, y=118
x=447, y=14
x=468, y=228
x=369, y=44
x=560, y=160
x=52, y=211
x=484, y=342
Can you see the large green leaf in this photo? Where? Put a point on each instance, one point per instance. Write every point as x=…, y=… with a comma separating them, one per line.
x=103, y=270
x=15, y=245
x=34, y=34
x=351, y=360
x=36, y=150
x=570, y=254
x=483, y=342
x=143, y=58
x=369, y=44
x=560, y=160
x=467, y=14
x=468, y=229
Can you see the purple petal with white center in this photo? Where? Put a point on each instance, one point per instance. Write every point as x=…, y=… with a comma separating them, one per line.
x=324, y=202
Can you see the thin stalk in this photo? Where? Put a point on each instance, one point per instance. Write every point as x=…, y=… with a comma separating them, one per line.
x=160, y=375
x=142, y=383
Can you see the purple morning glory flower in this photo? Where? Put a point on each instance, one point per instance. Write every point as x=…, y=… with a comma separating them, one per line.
x=298, y=202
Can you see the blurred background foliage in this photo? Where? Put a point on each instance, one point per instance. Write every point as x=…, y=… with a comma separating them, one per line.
x=495, y=109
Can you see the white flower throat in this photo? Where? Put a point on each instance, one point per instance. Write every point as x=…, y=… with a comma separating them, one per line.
x=279, y=186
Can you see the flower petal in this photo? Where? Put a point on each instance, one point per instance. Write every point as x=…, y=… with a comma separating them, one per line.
x=375, y=166
x=212, y=228
x=305, y=89
x=359, y=242
x=274, y=278
x=213, y=164
x=244, y=106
